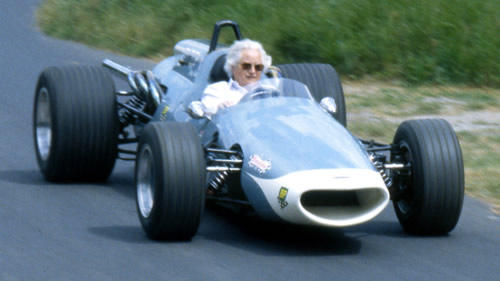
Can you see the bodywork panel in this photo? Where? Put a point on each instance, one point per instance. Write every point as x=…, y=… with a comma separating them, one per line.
x=299, y=164
x=292, y=144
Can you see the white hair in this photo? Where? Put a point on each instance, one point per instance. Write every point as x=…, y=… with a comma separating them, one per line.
x=234, y=54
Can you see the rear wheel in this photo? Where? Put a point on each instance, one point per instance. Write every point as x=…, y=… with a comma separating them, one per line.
x=429, y=199
x=170, y=180
x=75, y=124
x=322, y=80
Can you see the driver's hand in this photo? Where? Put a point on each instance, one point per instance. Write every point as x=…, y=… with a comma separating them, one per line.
x=226, y=104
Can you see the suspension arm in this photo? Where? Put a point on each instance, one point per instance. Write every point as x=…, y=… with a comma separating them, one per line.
x=139, y=113
x=396, y=166
x=120, y=69
x=223, y=169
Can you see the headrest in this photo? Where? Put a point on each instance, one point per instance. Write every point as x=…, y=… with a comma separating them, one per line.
x=218, y=73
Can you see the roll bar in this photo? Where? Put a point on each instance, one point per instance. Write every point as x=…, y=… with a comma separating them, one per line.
x=218, y=26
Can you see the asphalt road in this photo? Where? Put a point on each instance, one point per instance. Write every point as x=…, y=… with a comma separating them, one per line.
x=91, y=231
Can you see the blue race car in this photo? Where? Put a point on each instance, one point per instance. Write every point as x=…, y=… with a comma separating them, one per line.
x=283, y=152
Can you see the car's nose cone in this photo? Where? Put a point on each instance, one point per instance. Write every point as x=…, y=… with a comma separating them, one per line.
x=330, y=197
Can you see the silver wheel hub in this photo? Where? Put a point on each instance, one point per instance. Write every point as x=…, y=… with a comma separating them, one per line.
x=43, y=124
x=405, y=204
x=145, y=182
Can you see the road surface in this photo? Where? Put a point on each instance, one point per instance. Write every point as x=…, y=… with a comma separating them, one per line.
x=91, y=231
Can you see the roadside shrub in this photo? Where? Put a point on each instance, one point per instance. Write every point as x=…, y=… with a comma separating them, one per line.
x=453, y=41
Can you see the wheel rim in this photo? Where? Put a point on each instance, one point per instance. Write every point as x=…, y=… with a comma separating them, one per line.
x=145, y=182
x=405, y=204
x=43, y=124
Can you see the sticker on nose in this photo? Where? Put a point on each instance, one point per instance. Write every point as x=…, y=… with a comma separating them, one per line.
x=282, y=197
x=259, y=164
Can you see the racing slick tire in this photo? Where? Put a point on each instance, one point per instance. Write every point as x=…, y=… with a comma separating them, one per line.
x=430, y=197
x=322, y=80
x=75, y=123
x=170, y=177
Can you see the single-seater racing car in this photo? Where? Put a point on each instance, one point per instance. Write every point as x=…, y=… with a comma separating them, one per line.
x=284, y=151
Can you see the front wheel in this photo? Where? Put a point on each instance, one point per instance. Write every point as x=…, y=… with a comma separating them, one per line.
x=170, y=179
x=75, y=123
x=430, y=197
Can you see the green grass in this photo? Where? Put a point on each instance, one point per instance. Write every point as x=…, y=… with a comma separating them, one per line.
x=482, y=165
x=453, y=41
x=373, y=128
x=394, y=101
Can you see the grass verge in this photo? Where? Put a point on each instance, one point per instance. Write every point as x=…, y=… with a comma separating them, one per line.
x=415, y=41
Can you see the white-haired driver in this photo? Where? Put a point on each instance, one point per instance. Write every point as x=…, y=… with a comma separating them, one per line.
x=245, y=62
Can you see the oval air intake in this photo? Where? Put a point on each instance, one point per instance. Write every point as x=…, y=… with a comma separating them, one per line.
x=342, y=205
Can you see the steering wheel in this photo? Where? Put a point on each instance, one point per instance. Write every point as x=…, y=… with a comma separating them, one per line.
x=264, y=92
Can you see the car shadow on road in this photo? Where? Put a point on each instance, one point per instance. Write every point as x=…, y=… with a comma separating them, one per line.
x=253, y=234
x=128, y=234
x=390, y=229
x=121, y=181
x=249, y=233
x=377, y=228
x=24, y=177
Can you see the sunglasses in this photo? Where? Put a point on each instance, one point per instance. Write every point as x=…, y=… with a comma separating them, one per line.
x=248, y=66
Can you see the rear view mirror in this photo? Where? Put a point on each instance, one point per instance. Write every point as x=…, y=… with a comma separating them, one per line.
x=196, y=110
x=328, y=104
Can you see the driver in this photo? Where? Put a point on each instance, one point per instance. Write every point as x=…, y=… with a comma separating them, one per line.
x=245, y=62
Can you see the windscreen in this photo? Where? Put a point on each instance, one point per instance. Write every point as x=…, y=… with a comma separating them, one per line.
x=276, y=87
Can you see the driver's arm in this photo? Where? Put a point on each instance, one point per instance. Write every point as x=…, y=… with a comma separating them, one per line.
x=213, y=96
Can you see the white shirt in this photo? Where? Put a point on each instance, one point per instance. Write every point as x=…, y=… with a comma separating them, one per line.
x=221, y=95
